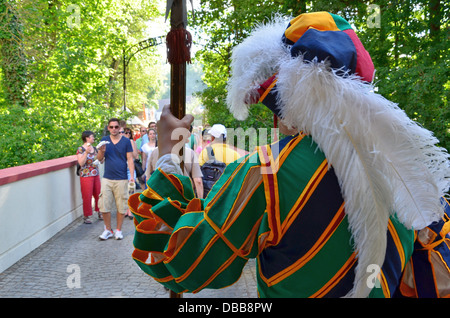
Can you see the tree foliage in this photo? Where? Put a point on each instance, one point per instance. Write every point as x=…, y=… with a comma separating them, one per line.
x=61, y=63
x=62, y=72
x=408, y=42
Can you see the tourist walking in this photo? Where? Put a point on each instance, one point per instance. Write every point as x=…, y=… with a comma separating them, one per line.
x=89, y=175
x=118, y=156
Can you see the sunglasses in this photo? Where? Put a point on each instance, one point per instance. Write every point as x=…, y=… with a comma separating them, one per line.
x=113, y=127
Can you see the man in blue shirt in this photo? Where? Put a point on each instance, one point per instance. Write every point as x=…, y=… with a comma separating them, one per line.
x=118, y=157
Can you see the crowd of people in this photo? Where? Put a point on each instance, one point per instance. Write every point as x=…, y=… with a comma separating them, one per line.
x=353, y=202
x=123, y=151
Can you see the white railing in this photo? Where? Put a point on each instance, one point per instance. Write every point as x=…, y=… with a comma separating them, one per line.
x=36, y=201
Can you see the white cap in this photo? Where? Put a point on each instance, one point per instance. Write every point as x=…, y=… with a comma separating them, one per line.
x=217, y=130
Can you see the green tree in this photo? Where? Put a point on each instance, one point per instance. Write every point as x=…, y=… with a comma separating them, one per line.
x=73, y=51
x=223, y=24
x=409, y=48
x=411, y=55
x=13, y=62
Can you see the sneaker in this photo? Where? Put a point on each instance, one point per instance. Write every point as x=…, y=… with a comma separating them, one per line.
x=87, y=220
x=106, y=235
x=118, y=235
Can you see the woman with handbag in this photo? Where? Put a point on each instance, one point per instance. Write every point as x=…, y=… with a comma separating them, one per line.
x=148, y=147
x=89, y=175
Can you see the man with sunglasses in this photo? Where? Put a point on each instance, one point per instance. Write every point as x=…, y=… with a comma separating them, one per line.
x=118, y=154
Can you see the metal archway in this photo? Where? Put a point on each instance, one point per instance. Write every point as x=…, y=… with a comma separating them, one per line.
x=142, y=45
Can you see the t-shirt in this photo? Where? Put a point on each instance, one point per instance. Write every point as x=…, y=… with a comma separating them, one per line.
x=116, y=158
x=222, y=152
x=144, y=141
x=139, y=143
x=148, y=151
x=89, y=169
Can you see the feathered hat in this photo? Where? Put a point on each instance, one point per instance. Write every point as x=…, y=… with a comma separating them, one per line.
x=316, y=76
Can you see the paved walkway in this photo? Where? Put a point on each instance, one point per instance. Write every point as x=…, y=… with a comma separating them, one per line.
x=106, y=269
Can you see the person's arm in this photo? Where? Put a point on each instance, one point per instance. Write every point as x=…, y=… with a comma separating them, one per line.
x=151, y=163
x=130, y=161
x=196, y=174
x=208, y=241
x=198, y=183
x=101, y=153
x=144, y=156
x=144, y=160
x=195, y=243
x=135, y=151
x=82, y=157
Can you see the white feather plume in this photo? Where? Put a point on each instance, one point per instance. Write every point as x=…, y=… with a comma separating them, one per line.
x=253, y=63
x=386, y=163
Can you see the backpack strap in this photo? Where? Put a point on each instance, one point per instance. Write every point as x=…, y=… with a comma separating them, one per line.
x=210, y=152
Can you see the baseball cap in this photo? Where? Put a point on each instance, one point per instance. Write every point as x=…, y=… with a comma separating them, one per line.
x=217, y=130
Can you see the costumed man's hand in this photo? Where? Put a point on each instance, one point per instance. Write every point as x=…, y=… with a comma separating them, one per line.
x=172, y=132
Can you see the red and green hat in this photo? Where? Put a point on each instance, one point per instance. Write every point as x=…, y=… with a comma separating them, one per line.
x=326, y=36
x=322, y=36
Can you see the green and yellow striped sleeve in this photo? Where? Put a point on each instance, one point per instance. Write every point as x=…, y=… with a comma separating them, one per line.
x=187, y=243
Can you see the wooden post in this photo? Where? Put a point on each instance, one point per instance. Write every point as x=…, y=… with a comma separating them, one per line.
x=177, y=69
x=175, y=295
x=124, y=81
x=178, y=90
x=177, y=78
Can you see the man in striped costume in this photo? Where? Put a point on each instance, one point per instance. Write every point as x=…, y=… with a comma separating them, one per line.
x=332, y=210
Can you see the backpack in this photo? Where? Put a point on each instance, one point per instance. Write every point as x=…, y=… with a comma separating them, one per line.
x=78, y=169
x=212, y=170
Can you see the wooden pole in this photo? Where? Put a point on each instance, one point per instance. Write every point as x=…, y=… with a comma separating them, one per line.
x=177, y=70
x=178, y=90
x=177, y=81
x=124, y=81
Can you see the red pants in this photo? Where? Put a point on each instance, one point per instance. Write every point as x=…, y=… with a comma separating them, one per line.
x=90, y=186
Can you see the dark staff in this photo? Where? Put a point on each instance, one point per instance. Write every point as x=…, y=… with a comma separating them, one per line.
x=178, y=42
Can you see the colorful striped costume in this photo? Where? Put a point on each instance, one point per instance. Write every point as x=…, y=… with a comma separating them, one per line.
x=344, y=210
x=291, y=219
x=426, y=274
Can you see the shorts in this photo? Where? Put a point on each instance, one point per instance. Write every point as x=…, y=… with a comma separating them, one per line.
x=114, y=194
